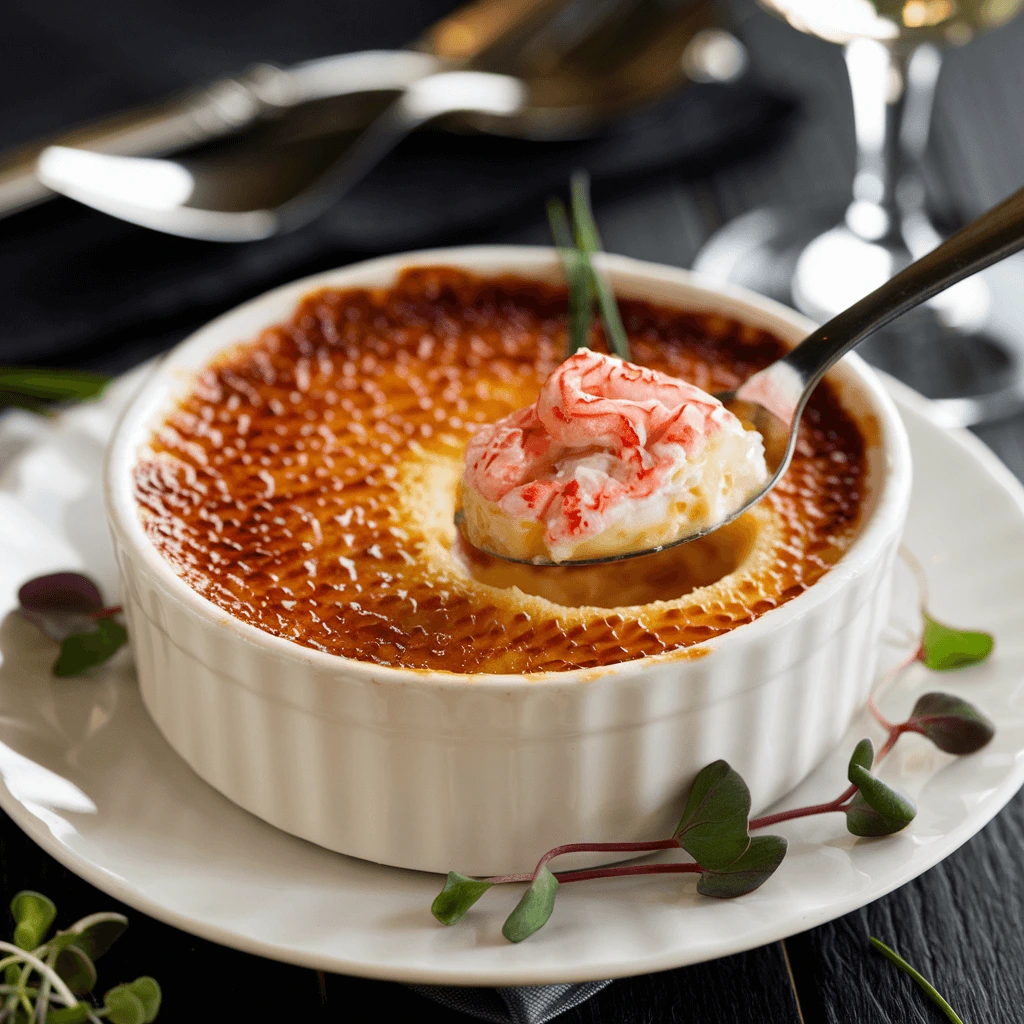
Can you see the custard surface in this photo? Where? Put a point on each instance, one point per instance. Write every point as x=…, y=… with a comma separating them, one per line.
x=306, y=485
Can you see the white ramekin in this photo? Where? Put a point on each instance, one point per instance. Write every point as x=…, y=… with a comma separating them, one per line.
x=483, y=773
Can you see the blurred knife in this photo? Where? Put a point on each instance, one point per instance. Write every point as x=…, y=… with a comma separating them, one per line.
x=233, y=104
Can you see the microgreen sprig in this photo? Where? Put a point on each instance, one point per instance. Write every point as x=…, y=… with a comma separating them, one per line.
x=944, y=647
x=576, y=245
x=713, y=830
x=45, y=980
x=929, y=989
x=68, y=607
x=715, y=827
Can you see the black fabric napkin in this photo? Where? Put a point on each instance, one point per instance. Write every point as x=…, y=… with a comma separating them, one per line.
x=78, y=287
x=525, y=1004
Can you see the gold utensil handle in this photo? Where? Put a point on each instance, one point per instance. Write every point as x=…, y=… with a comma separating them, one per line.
x=471, y=29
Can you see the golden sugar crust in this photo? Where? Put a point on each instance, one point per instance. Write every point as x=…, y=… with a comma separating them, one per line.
x=307, y=482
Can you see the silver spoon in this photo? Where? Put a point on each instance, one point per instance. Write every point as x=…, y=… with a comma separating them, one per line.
x=773, y=399
x=239, y=197
x=325, y=95
x=571, y=69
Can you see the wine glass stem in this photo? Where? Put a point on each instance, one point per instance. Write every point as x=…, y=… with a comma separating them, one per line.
x=892, y=87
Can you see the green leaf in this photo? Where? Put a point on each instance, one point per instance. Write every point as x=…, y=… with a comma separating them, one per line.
x=877, y=809
x=713, y=829
x=75, y=1014
x=12, y=400
x=96, y=933
x=577, y=275
x=863, y=820
x=534, y=909
x=589, y=241
x=67, y=592
x=122, y=1006
x=881, y=797
x=33, y=914
x=952, y=723
x=148, y=991
x=52, y=385
x=82, y=651
x=944, y=647
x=863, y=755
x=460, y=892
x=60, y=603
x=929, y=989
x=77, y=969
x=746, y=874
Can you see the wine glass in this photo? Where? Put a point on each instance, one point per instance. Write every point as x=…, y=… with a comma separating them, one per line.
x=966, y=347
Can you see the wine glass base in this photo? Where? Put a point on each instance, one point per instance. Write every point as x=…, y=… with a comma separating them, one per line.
x=965, y=352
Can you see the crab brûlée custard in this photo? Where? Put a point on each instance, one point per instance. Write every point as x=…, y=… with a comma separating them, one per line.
x=308, y=481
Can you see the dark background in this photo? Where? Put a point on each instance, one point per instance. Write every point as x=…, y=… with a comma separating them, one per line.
x=80, y=289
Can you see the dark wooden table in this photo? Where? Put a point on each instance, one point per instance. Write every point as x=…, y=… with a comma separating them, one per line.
x=960, y=924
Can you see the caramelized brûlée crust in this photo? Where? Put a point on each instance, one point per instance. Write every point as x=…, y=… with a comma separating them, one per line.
x=306, y=485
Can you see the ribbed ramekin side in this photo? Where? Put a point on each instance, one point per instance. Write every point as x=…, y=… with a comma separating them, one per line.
x=389, y=766
x=435, y=777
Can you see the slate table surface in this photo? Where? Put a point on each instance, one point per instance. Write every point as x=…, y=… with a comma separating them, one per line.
x=961, y=923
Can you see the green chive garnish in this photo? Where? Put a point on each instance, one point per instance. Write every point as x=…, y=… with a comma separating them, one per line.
x=577, y=274
x=589, y=241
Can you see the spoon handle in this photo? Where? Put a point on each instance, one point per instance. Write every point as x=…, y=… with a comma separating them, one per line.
x=427, y=98
x=994, y=235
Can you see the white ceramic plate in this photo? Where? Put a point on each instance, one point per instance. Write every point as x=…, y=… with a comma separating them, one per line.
x=87, y=775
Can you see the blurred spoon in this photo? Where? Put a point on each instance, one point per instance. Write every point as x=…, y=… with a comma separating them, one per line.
x=337, y=93
x=238, y=198
x=773, y=399
x=586, y=62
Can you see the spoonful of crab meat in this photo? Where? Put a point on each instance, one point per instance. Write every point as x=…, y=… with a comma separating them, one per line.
x=612, y=459
x=615, y=460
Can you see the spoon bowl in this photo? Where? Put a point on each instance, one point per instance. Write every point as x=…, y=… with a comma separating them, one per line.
x=779, y=442
x=773, y=399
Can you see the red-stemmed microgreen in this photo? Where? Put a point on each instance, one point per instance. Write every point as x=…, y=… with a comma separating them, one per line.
x=953, y=724
x=535, y=907
x=53, y=979
x=748, y=872
x=58, y=595
x=929, y=989
x=715, y=827
x=460, y=892
x=875, y=809
x=82, y=651
x=576, y=245
x=943, y=647
x=68, y=607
